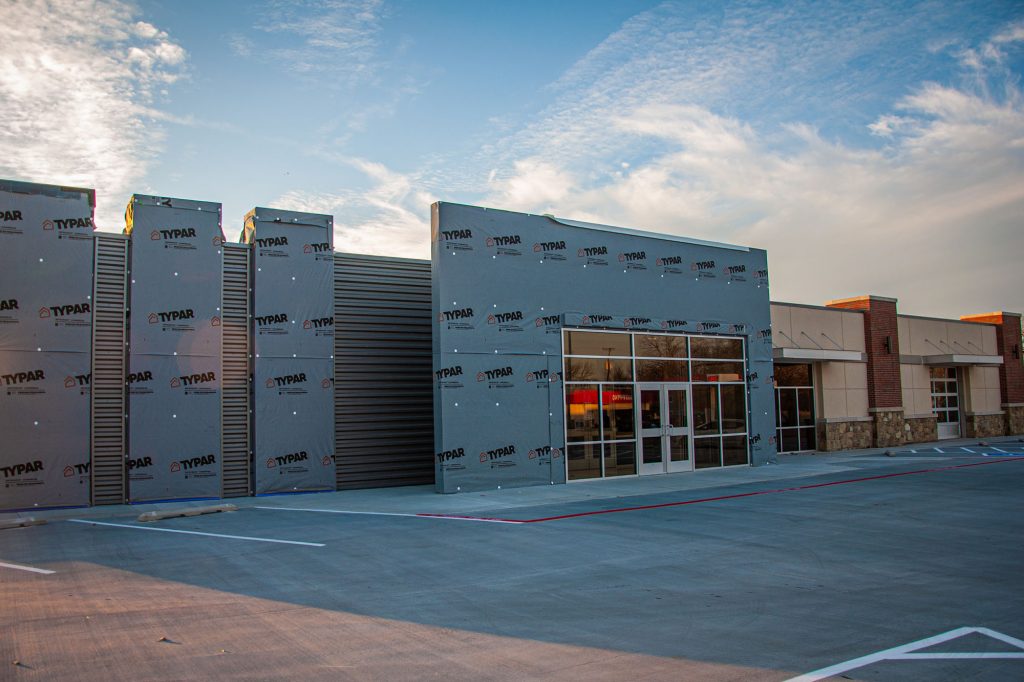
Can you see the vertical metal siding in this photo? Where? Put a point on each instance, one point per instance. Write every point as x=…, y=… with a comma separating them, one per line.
x=383, y=378
x=235, y=372
x=110, y=299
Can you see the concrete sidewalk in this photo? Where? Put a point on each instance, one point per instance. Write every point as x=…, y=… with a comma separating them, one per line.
x=424, y=499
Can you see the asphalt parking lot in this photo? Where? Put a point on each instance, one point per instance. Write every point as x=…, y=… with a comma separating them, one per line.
x=855, y=566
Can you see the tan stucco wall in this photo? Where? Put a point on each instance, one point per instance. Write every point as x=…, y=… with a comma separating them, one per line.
x=917, y=390
x=982, y=390
x=802, y=327
x=843, y=389
x=945, y=337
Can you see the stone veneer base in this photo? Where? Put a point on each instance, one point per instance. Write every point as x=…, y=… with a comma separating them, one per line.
x=1014, y=419
x=851, y=435
x=985, y=425
x=889, y=429
x=921, y=429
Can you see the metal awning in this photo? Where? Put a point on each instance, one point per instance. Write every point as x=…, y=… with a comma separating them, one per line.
x=951, y=360
x=817, y=355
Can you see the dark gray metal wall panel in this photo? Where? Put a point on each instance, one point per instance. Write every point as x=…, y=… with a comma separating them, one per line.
x=46, y=242
x=383, y=375
x=293, y=350
x=506, y=283
x=236, y=370
x=109, y=368
x=174, y=404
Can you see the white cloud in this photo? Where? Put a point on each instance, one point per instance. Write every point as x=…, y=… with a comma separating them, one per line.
x=388, y=217
x=932, y=216
x=76, y=81
x=335, y=36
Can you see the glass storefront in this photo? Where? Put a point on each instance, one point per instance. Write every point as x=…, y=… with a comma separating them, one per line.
x=632, y=394
x=794, y=408
x=945, y=401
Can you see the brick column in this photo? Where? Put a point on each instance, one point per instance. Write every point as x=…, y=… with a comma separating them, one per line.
x=1011, y=372
x=882, y=343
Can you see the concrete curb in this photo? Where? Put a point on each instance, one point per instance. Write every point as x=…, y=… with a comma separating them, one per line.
x=21, y=523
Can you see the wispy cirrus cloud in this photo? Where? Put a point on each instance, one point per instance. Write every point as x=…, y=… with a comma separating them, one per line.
x=78, y=82
x=707, y=131
x=317, y=37
x=387, y=216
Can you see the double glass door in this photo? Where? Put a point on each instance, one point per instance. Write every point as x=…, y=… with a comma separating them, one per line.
x=663, y=414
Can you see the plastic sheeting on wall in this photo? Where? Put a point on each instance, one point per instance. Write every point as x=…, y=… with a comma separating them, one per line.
x=174, y=424
x=293, y=341
x=504, y=286
x=45, y=331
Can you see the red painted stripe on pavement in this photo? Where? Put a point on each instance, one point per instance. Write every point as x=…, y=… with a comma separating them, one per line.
x=725, y=497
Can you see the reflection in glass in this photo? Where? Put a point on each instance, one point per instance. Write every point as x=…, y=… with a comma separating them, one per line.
x=662, y=370
x=792, y=375
x=584, y=461
x=619, y=459
x=734, y=408
x=652, y=450
x=598, y=369
x=660, y=346
x=707, y=452
x=723, y=349
x=617, y=411
x=805, y=400
x=677, y=407
x=787, y=407
x=596, y=343
x=790, y=440
x=734, y=450
x=807, y=439
x=705, y=409
x=581, y=413
x=717, y=371
x=678, y=448
x=650, y=409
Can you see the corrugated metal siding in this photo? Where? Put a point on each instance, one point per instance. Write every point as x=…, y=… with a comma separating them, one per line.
x=110, y=299
x=235, y=372
x=383, y=378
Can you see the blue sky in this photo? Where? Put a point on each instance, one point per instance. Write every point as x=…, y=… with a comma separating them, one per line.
x=817, y=130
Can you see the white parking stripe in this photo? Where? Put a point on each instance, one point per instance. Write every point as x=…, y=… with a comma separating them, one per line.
x=997, y=449
x=31, y=569
x=195, y=532
x=904, y=652
x=335, y=511
x=969, y=450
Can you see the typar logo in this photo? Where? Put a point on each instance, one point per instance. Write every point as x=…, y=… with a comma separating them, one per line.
x=10, y=216
x=542, y=377
x=321, y=247
x=286, y=380
x=496, y=378
x=506, y=245
x=456, y=240
x=276, y=318
x=81, y=381
x=594, y=255
x=673, y=324
x=320, y=326
x=139, y=468
x=508, y=321
x=22, y=468
x=761, y=277
x=551, y=250
x=175, y=234
x=544, y=453
x=68, y=315
x=457, y=318
x=12, y=304
x=274, y=324
x=737, y=328
x=708, y=326
x=201, y=383
x=289, y=460
x=634, y=260
x=552, y=324
x=595, y=318
x=326, y=384
x=140, y=376
x=764, y=335
x=704, y=269
x=80, y=469
x=191, y=464
x=735, y=273
x=497, y=456
x=451, y=459
x=271, y=242
x=65, y=224
x=631, y=322
x=449, y=377
x=20, y=378
x=174, y=320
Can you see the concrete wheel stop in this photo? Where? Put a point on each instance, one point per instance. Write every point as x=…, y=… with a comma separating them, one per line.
x=194, y=511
